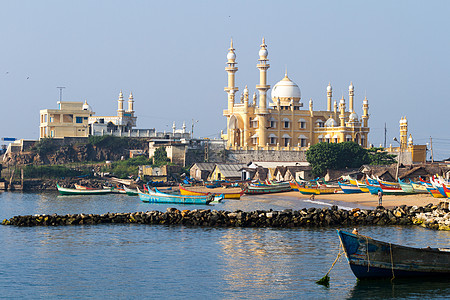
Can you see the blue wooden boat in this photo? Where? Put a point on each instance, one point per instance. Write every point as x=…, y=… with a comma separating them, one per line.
x=158, y=197
x=348, y=188
x=369, y=258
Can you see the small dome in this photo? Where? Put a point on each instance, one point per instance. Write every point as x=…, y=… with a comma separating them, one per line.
x=246, y=90
x=231, y=55
x=331, y=122
x=350, y=87
x=329, y=88
x=284, y=89
x=263, y=52
x=86, y=106
x=353, y=117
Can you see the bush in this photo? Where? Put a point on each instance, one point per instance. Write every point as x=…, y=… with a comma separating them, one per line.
x=51, y=172
x=45, y=146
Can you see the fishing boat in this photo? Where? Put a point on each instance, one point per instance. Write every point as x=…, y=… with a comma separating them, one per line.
x=158, y=197
x=434, y=192
x=385, y=189
x=446, y=190
x=186, y=192
x=369, y=258
x=69, y=191
x=317, y=190
x=130, y=192
x=406, y=186
x=362, y=186
x=348, y=188
x=255, y=189
x=116, y=189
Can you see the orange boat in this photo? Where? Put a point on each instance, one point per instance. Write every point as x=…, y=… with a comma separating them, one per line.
x=186, y=192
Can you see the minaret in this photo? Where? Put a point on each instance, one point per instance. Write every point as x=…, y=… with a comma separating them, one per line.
x=184, y=127
x=120, y=110
x=262, y=87
x=410, y=141
x=245, y=138
x=342, y=111
x=231, y=69
x=335, y=108
x=329, y=95
x=311, y=106
x=365, y=116
x=130, y=103
x=403, y=132
x=351, y=92
x=173, y=128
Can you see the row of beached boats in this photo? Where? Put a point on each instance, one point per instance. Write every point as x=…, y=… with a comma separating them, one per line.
x=437, y=186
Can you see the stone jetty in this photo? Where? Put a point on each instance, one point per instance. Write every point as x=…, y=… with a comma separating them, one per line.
x=429, y=216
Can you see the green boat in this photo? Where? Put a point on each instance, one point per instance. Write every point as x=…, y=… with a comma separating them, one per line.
x=130, y=192
x=69, y=191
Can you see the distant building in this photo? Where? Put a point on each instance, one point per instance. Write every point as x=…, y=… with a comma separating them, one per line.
x=284, y=124
x=124, y=122
x=407, y=152
x=71, y=119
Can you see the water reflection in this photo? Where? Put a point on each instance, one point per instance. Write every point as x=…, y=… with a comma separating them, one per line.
x=436, y=288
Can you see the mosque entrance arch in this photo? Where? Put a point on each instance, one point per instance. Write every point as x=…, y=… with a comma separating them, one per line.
x=234, y=126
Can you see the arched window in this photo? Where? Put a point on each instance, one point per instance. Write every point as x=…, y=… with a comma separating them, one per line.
x=302, y=123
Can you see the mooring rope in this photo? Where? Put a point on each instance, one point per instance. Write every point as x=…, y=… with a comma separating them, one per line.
x=392, y=262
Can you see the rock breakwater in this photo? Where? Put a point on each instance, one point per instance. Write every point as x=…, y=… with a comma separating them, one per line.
x=312, y=217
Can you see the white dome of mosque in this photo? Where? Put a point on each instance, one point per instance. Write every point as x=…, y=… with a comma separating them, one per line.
x=263, y=52
x=329, y=88
x=286, y=88
x=86, y=106
x=353, y=116
x=231, y=55
x=331, y=122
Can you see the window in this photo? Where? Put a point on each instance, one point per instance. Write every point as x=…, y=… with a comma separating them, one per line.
x=302, y=142
x=273, y=124
x=79, y=120
x=335, y=140
x=320, y=140
x=319, y=123
x=286, y=123
x=254, y=123
x=286, y=141
x=302, y=123
x=273, y=140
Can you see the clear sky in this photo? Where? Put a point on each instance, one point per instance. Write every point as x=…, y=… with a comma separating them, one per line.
x=172, y=54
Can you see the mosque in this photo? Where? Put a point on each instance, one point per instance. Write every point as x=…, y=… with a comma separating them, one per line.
x=284, y=124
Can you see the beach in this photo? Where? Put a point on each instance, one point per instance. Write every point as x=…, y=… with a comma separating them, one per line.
x=361, y=200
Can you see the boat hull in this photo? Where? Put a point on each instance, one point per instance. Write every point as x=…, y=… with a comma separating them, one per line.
x=266, y=189
x=349, y=188
x=369, y=258
x=69, y=191
x=155, y=197
x=187, y=192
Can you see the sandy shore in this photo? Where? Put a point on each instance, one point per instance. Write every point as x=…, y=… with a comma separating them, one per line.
x=363, y=200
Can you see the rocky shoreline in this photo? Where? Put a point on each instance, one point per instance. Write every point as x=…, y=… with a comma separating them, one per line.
x=429, y=216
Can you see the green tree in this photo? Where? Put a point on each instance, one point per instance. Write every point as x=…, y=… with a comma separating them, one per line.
x=322, y=156
x=160, y=157
x=378, y=156
x=334, y=156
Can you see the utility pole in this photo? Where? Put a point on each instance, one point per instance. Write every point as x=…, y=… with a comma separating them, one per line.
x=192, y=131
x=60, y=91
x=385, y=131
x=431, y=149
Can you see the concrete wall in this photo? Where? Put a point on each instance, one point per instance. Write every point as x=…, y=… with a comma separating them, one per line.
x=245, y=156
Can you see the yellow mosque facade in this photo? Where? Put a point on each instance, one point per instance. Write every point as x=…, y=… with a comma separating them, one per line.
x=284, y=124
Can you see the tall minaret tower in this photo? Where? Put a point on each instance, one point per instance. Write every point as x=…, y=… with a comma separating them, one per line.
x=403, y=132
x=130, y=104
x=329, y=95
x=231, y=68
x=351, y=91
x=120, y=110
x=365, y=116
x=262, y=87
x=342, y=111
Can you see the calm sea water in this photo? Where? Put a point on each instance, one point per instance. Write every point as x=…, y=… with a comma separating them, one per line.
x=176, y=262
